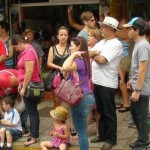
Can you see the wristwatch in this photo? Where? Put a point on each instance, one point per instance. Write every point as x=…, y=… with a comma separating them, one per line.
x=137, y=90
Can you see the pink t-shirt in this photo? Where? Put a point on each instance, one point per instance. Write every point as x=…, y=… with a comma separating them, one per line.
x=28, y=55
x=2, y=52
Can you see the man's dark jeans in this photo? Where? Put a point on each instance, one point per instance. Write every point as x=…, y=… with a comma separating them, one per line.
x=31, y=107
x=105, y=103
x=139, y=111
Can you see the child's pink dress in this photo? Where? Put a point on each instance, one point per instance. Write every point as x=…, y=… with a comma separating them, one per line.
x=56, y=141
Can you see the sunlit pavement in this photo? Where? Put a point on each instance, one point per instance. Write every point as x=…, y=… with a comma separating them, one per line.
x=125, y=135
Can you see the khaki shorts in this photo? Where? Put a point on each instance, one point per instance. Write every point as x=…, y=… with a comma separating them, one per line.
x=125, y=63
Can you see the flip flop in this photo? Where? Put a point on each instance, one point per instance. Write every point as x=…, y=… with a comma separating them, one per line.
x=75, y=137
x=73, y=132
x=132, y=125
x=31, y=141
x=124, y=109
x=26, y=135
x=119, y=106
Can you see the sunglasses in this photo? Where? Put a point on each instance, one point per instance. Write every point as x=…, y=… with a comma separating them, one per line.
x=92, y=20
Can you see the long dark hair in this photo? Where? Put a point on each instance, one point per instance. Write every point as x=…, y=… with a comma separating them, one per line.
x=79, y=41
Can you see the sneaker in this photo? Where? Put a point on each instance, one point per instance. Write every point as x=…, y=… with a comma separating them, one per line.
x=96, y=140
x=107, y=146
x=8, y=148
x=132, y=145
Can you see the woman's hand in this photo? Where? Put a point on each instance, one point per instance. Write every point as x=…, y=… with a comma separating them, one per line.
x=59, y=68
x=19, y=88
x=22, y=92
x=129, y=85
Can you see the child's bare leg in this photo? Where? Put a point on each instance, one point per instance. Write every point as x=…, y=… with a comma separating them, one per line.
x=9, y=139
x=2, y=136
x=63, y=146
x=45, y=145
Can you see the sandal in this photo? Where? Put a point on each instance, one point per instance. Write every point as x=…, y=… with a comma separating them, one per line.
x=73, y=132
x=26, y=135
x=119, y=106
x=124, y=109
x=31, y=141
x=75, y=137
x=132, y=125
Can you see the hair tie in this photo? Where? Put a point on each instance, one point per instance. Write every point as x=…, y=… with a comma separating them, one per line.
x=25, y=37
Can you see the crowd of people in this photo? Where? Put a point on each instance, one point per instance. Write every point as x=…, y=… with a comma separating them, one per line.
x=100, y=57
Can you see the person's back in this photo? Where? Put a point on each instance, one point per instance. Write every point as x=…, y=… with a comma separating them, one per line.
x=8, y=81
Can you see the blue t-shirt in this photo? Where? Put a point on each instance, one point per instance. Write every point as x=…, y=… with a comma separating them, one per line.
x=83, y=76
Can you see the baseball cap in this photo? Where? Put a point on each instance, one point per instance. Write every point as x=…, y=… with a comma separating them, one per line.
x=137, y=22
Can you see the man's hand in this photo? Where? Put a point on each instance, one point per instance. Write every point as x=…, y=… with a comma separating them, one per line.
x=70, y=9
x=135, y=96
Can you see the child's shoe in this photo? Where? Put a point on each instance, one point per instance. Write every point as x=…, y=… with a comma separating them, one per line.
x=8, y=148
x=2, y=148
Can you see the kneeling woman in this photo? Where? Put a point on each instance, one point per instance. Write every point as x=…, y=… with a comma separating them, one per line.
x=79, y=62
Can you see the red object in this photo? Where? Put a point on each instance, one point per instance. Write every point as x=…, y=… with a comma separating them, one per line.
x=57, y=80
x=2, y=52
x=69, y=92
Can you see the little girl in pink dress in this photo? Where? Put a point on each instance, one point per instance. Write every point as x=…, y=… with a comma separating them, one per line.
x=60, y=133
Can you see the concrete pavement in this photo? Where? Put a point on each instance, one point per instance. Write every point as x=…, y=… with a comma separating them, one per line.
x=125, y=135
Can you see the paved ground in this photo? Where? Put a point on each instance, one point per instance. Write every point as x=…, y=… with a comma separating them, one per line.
x=125, y=135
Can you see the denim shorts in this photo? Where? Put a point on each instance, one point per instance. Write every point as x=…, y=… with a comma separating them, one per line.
x=15, y=133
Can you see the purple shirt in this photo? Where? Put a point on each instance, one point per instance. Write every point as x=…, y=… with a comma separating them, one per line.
x=83, y=76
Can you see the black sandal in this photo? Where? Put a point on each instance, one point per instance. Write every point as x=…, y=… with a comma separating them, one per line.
x=31, y=141
x=73, y=132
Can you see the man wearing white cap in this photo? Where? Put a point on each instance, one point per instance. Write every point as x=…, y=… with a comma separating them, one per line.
x=106, y=56
x=140, y=81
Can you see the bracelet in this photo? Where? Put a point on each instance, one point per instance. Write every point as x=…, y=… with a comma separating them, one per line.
x=137, y=90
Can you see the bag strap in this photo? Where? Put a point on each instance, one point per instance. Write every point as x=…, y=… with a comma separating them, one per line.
x=81, y=82
x=36, y=61
x=8, y=72
x=62, y=54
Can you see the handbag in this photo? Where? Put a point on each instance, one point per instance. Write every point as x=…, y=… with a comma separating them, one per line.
x=56, y=80
x=35, y=90
x=69, y=92
x=48, y=82
x=20, y=105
